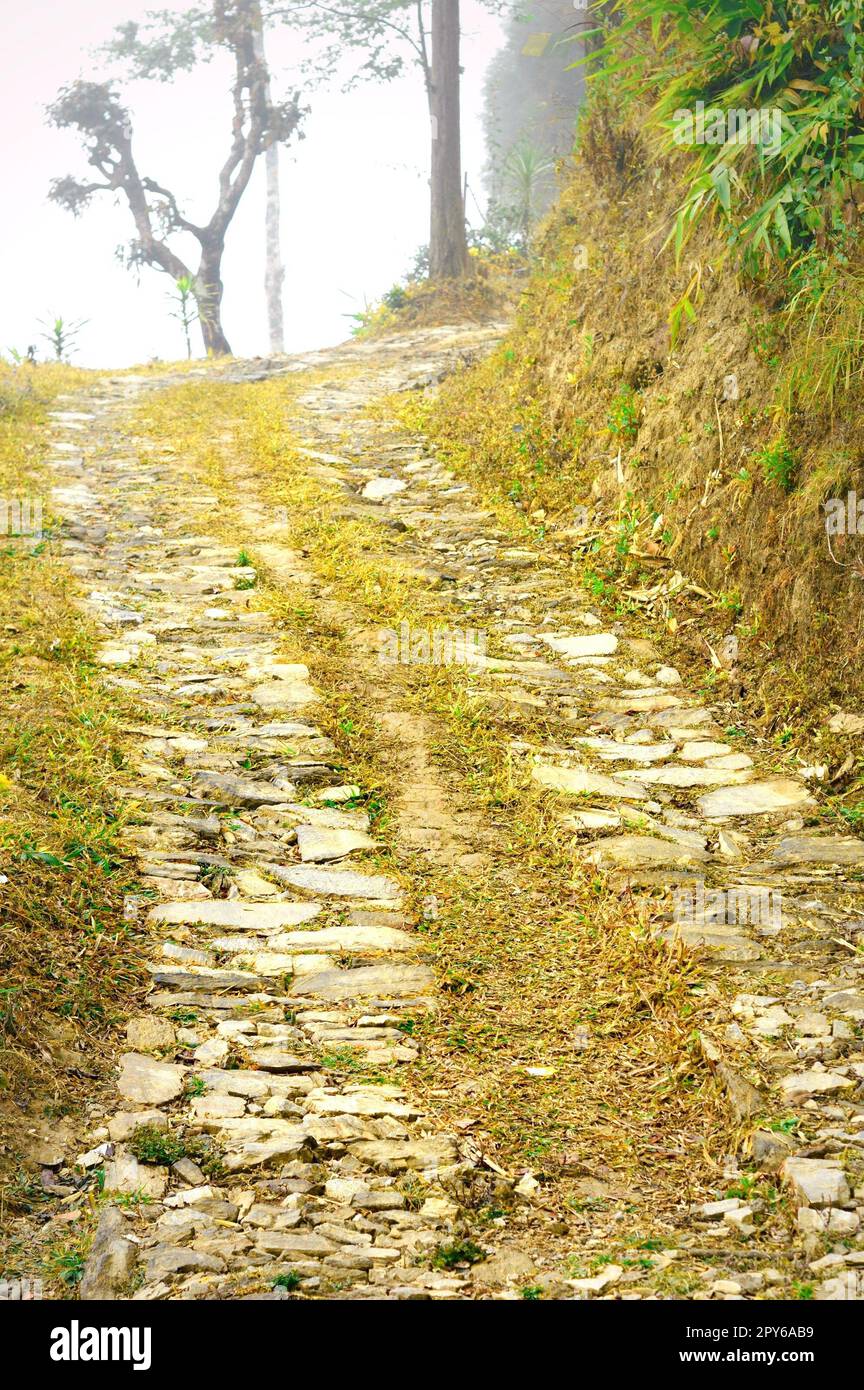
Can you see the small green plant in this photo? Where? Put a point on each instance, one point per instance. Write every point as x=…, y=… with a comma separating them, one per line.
x=206, y=1153
x=457, y=1252
x=743, y=1188
x=152, y=1145
x=186, y=310
x=623, y=417
x=243, y=558
x=778, y=463
x=290, y=1281
x=183, y=1016
x=62, y=334
x=532, y=1292
x=195, y=1086
x=137, y=1198
x=67, y=1266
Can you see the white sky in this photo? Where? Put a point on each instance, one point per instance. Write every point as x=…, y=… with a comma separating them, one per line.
x=354, y=191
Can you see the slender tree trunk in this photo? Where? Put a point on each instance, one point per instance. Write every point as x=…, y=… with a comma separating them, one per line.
x=448, y=250
x=274, y=271
x=274, y=274
x=208, y=296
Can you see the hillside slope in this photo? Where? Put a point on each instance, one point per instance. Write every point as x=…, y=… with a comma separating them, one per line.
x=685, y=454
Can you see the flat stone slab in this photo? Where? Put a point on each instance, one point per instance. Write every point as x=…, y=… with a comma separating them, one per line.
x=224, y=912
x=378, y=489
x=755, y=798
x=359, y=1103
x=817, y=1182
x=124, y=1173
x=593, y=644
x=804, y=1084
x=724, y=943
x=345, y=938
x=589, y=819
x=276, y=695
x=319, y=844
x=225, y=790
x=629, y=752
x=337, y=883
x=578, y=781
x=267, y=1152
x=679, y=718
x=698, y=749
x=206, y=980
x=847, y=1001
x=641, y=852
x=637, y=703
x=368, y=981
x=395, y=1155
x=296, y=1244
x=272, y=964
x=819, y=849
x=327, y=816
x=149, y=1081
x=733, y=762
x=165, y=1260
x=692, y=776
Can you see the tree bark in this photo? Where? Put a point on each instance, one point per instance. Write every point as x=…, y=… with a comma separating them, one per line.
x=208, y=296
x=274, y=274
x=274, y=271
x=448, y=249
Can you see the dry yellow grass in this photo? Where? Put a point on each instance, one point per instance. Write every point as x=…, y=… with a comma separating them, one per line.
x=68, y=963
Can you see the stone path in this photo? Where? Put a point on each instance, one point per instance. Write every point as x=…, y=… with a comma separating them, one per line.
x=347, y=1189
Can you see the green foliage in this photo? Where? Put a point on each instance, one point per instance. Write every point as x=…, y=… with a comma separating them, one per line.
x=62, y=334
x=526, y=177
x=457, y=1252
x=623, y=417
x=778, y=463
x=802, y=58
x=185, y=311
x=289, y=1281
x=152, y=1145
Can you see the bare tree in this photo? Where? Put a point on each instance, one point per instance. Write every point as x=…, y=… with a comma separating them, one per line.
x=96, y=110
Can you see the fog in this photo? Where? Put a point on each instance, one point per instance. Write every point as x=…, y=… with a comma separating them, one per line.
x=354, y=191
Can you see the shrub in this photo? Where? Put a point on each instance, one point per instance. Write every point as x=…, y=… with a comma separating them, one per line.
x=778, y=463
x=152, y=1145
x=802, y=58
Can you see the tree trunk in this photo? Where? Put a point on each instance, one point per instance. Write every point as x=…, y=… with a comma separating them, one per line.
x=274, y=272
x=448, y=250
x=208, y=296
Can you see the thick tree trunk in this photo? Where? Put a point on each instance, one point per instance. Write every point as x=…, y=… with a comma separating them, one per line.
x=208, y=296
x=448, y=250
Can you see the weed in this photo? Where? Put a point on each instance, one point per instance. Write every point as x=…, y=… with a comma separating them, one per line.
x=623, y=417
x=457, y=1252
x=152, y=1145
x=779, y=464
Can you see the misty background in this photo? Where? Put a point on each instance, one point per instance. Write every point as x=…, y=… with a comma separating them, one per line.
x=354, y=190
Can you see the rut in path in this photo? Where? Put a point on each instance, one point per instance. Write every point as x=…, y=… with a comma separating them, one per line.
x=286, y=1020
